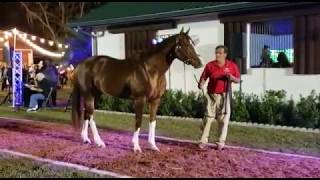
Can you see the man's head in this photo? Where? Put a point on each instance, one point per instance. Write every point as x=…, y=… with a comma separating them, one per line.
x=221, y=53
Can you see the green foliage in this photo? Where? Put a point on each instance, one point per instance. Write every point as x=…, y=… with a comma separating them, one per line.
x=269, y=108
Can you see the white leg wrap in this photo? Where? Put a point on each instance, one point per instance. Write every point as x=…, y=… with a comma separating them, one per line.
x=95, y=133
x=135, y=141
x=84, y=132
x=152, y=135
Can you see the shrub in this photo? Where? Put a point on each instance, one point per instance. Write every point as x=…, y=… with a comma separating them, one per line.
x=269, y=108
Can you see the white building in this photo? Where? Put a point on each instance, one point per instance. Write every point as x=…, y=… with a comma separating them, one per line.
x=245, y=27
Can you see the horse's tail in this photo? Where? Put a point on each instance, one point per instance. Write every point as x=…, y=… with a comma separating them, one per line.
x=76, y=107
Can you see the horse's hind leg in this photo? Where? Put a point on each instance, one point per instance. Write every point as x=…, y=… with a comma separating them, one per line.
x=89, y=110
x=84, y=132
x=138, y=106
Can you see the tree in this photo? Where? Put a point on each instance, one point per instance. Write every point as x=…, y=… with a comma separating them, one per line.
x=52, y=17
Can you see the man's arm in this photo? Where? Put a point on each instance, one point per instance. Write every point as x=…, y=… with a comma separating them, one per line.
x=204, y=76
x=235, y=75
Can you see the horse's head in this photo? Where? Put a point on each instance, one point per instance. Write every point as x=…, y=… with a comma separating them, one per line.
x=185, y=50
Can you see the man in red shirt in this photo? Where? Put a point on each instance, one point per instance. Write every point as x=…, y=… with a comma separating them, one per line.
x=220, y=72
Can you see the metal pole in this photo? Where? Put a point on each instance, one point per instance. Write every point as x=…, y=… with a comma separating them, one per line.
x=12, y=69
x=227, y=94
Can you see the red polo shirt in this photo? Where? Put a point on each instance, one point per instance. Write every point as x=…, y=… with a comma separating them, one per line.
x=216, y=75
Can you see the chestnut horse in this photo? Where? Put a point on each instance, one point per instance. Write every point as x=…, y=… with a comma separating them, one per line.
x=140, y=78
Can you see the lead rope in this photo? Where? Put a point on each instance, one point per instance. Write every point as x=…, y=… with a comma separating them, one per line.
x=228, y=93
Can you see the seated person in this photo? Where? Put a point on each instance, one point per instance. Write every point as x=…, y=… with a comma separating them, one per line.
x=52, y=75
x=283, y=60
x=42, y=88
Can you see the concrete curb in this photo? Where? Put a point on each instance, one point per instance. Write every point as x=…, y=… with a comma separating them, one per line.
x=64, y=164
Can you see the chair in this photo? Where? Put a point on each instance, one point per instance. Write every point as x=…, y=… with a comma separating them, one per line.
x=48, y=98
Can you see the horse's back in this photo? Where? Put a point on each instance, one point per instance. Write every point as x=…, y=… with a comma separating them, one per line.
x=104, y=74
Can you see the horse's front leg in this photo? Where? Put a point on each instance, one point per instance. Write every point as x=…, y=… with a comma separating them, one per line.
x=153, y=105
x=138, y=106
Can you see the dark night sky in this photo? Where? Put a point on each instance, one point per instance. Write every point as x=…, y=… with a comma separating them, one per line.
x=12, y=14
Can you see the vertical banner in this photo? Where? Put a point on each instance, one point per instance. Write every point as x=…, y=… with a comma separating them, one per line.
x=17, y=83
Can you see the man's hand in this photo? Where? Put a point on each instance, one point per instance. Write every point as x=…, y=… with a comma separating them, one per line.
x=232, y=78
x=200, y=85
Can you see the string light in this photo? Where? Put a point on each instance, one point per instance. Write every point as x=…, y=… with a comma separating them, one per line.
x=27, y=39
x=9, y=34
x=24, y=36
x=50, y=43
x=15, y=31
x=43, y=51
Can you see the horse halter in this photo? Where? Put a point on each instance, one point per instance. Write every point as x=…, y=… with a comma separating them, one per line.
x=178, y=46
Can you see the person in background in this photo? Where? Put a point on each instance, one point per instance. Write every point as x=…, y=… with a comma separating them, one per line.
x=283, y=60
x=266, y=57
x=4, y=84
x=42, y=89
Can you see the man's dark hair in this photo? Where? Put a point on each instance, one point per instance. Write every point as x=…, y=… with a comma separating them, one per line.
x=225, y=49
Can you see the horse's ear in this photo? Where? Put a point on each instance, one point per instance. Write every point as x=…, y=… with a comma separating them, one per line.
x=188, y=31
x=181, y=32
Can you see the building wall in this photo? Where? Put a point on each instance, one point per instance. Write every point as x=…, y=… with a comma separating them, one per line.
x=27, y=56
x=210, y=34
x=260, y=79
x=111, y=45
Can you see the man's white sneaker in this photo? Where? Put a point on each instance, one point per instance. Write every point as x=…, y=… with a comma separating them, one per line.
x=202, y=145
x=220, y=146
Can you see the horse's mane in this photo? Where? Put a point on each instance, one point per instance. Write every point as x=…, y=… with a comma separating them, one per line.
x=143, y=55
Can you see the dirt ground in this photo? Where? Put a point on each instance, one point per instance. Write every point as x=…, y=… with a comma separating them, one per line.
x=176, y=159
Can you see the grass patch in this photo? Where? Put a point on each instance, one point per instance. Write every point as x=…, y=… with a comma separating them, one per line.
x=16, y=167
x=254, y=137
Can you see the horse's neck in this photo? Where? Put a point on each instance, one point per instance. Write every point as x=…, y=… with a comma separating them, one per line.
x=161, y=62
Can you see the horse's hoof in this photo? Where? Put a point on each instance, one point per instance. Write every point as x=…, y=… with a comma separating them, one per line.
x=100, y=144
x=86, y=141
x=137, y=150
x=154, y=147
